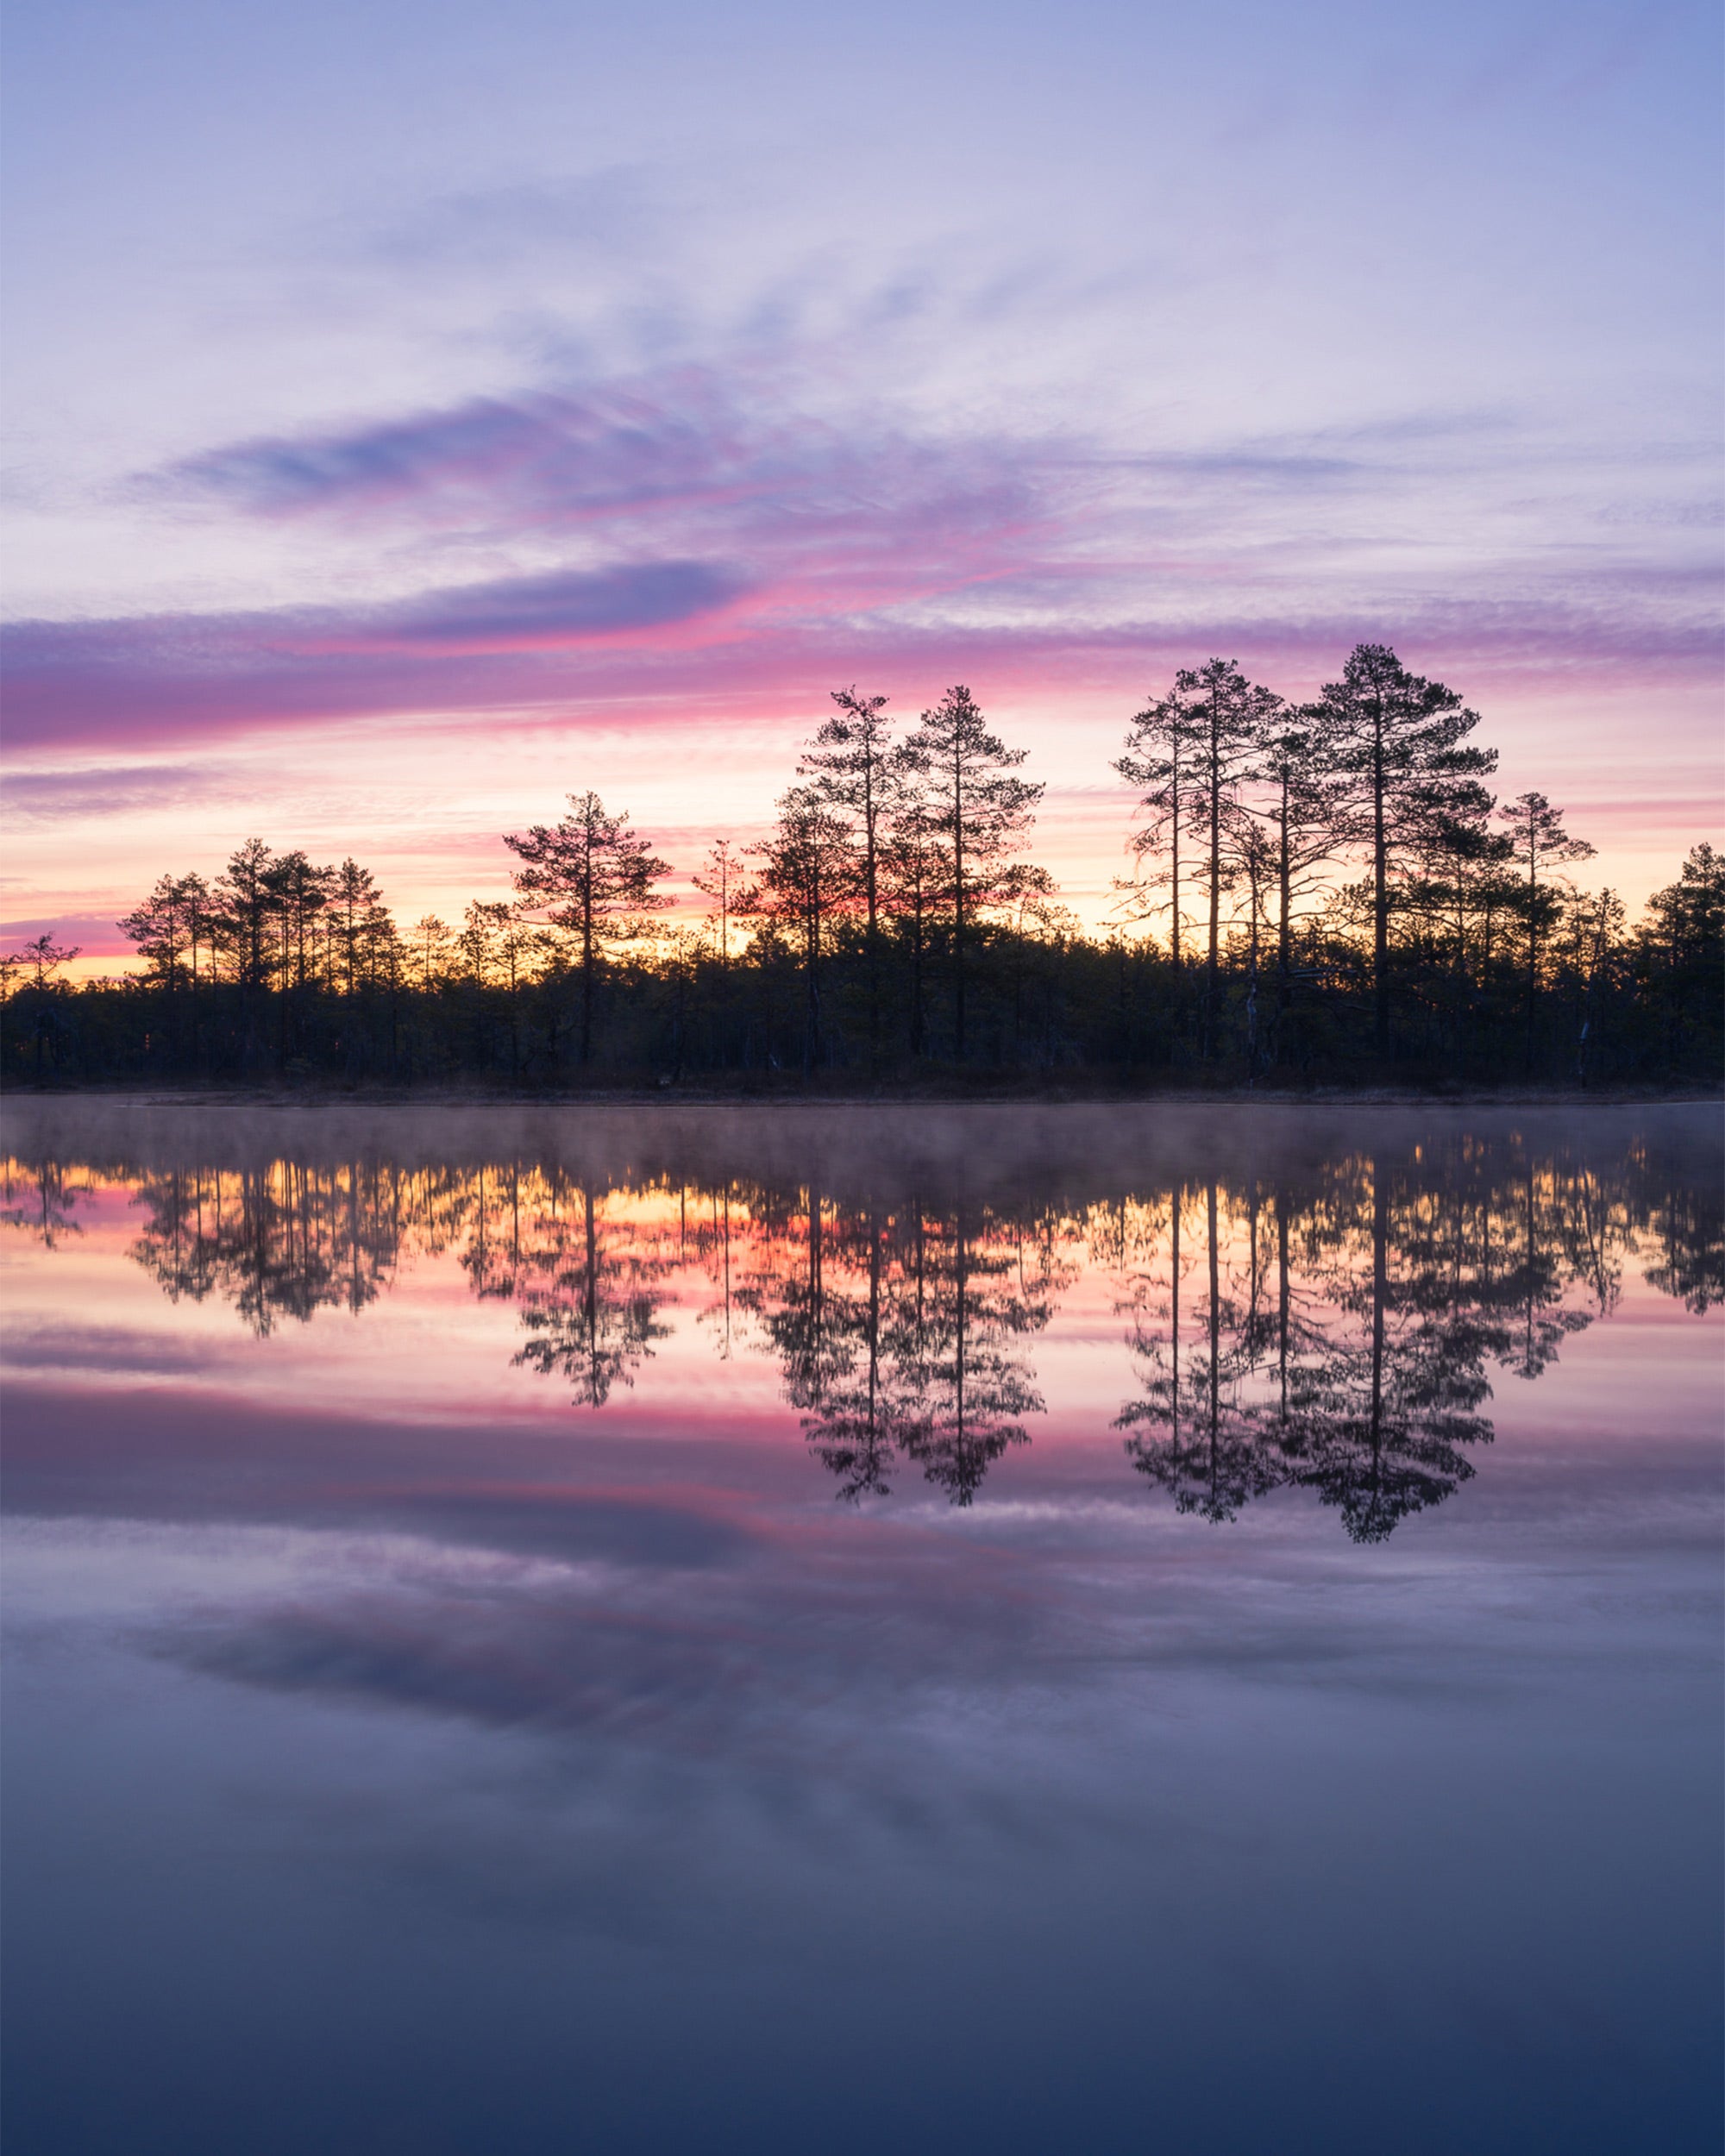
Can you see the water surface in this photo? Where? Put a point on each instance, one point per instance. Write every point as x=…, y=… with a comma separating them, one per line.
x=967, y=1629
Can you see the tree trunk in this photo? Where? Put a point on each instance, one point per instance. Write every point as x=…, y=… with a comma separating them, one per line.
x=1283, y=932
x=958, y=913
x=1380, y=879
x=1173, y=871
x=586, y=979
x=1533, y=957
x=1210, y=963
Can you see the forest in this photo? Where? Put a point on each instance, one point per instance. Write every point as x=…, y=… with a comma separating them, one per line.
x=1318, y=894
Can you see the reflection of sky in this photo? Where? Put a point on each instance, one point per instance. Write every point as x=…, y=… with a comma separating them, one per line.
x=400, y=1756
x=406, y=408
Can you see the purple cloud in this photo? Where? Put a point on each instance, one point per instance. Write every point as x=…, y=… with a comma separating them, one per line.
x=763, y=550
x=94, y=934
x=680, y=452
x=172, y=675
x=552, y=609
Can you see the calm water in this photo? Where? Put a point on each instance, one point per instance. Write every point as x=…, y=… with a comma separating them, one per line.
x=952, y=1630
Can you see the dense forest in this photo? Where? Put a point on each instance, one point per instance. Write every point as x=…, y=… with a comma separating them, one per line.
x=1319, y=895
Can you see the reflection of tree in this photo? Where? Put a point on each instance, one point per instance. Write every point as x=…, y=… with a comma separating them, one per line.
x=491, y=1257
x=829, y=1295
x=971, y=1385
x=1397, y=1283
x=587, y=1295
x=1689, y=1222
x=865, y=1413
x=895, y=1331
x=1535, y=1283
x=808, y=1322
x=278, y=1242
x=713, y=1244
x=1384, y=1412
x=1331, y=1326
x=40, y=1199
x=1203, y=1444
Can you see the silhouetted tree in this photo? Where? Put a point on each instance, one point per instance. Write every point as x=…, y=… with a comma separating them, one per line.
x=596, y=878
x=1161, y=759
x=852, y=766
x=1540, y=843
x=354, y=896
x=977, y=812
x=1680, y=961
x=1304, y=807
x=40, y=960
x=1228, y=720
x=808, y=880
x=1402, y=740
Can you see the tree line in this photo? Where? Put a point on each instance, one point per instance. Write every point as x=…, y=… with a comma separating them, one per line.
x=1318, y=892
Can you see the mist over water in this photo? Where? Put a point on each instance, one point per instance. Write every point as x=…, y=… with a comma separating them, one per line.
x=965, y=1628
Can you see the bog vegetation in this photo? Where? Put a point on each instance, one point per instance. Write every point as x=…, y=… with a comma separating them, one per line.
x=1326, y=893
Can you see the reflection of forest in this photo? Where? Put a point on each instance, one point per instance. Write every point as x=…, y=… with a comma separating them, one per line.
x=897, y=1327
x=1333, y=1328
x=1334, y=1333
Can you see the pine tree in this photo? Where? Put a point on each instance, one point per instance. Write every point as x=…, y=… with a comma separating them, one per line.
x=852, y=766
x=157, y=925
x=595, y=877
x=1304, y=805
x=1161, y=759
x=1229, y=716
x=977, y=812
x=247, y=904
x=352, y=893
x=1401, y=740
x=42, y=958
x=808, y=879
x=1541, y=843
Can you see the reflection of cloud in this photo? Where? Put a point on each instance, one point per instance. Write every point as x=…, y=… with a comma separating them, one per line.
x=108, y=1350
x=825, y=1643
x=572, y=1525
x=172, y=1456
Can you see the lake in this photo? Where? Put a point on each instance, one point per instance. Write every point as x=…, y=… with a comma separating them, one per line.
x=964, y=1629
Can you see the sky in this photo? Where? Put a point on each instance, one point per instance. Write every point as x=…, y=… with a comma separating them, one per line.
x=416, y=414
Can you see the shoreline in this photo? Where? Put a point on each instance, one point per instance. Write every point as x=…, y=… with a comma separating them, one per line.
x=679, y=1096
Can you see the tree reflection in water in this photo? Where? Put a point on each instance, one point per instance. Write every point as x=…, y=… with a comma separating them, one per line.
x=42, y=1199
x=588, y=1291
x=1330, y=1325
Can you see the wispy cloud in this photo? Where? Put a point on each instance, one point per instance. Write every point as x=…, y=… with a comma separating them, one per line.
x=102, y=790
x=89, y=931
x=172, y=676
x=700, y=460
x=693, y=531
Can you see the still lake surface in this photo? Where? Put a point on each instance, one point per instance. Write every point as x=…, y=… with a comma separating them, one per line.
x=949, y=1629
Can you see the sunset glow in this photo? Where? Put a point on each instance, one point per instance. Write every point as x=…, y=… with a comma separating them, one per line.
x=415, y=424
